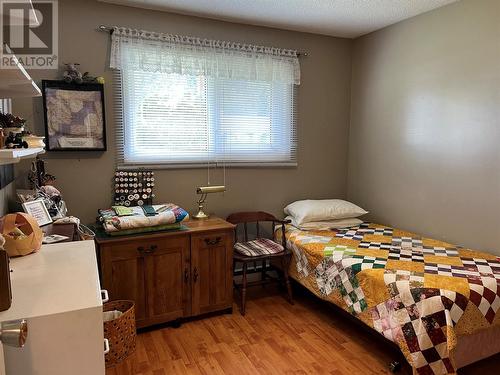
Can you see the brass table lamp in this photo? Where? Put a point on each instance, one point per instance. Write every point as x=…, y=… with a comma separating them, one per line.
x=204, y=191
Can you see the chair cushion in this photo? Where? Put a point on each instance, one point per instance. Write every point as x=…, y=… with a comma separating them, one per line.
x=258, y=247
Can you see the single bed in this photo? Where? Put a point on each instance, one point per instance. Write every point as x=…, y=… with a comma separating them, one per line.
x=435, y=300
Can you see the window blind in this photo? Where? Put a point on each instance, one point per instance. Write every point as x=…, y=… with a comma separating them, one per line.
x=5, y=105
x=174, y=116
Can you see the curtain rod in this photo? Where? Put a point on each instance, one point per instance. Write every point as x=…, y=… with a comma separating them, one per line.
x=109, y=29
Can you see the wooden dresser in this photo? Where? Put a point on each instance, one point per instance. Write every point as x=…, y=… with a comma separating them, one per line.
x=171, y=275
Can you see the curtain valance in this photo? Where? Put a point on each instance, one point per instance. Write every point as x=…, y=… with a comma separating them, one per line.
x=167, y=53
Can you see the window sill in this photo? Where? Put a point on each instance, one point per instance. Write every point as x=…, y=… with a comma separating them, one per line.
x=125, y=167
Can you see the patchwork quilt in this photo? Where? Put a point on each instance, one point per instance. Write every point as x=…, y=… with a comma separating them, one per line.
x=420, y=293
x=113, y=223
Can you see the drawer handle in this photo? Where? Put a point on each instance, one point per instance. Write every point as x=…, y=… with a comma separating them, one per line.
x=151, y=249
x=106, y=346
x=104, y=295
x=195, y=274
x=147, y=250
x=213, y=242
x=186, y=276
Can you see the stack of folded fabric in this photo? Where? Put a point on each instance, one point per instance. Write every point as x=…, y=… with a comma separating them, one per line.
x=324, y=214
x=120, y=220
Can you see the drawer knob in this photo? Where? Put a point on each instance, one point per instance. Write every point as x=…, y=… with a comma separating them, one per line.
x=14, y=333
x=213, y=242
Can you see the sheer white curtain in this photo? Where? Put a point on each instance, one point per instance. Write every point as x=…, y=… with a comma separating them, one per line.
x=187, y=101
x=166, y=53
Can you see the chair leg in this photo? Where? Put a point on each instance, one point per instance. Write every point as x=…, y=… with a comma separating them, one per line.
x=244, y=289
x=235, y=286
x=264, y=270
x=285, y=264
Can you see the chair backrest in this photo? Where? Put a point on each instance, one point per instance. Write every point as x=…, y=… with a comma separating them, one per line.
x=243, y=219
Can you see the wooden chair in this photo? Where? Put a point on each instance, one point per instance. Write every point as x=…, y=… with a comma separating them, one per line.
x=259, y=250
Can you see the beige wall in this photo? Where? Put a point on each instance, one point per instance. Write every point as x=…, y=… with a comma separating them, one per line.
x=425, y=124
x=323, y=107
x=7, y=194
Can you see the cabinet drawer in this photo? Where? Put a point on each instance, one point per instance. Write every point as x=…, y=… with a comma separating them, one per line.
x=210, y=240
x=145, y=247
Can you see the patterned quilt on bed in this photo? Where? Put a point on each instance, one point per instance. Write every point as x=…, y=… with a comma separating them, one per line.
x=420, y=293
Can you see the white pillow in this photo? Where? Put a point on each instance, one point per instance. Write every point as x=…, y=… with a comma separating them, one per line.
x=326, y=225
x=310, y=210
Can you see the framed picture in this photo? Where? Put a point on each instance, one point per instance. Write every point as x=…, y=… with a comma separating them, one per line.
x=24, y=195
x=74, y=116
x=38, y=210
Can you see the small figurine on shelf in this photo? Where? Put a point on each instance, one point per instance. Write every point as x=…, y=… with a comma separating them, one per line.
x=72, y=74
x=15, y=141
x=87, y=78
x=11, y=123
x=33, y=141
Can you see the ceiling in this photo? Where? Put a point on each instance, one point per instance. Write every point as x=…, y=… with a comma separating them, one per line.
x=342, y=18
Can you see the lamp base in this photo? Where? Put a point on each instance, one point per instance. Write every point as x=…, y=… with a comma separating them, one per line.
x=200, y=215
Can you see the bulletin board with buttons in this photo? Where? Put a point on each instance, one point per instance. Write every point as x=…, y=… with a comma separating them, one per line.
x=134, y=188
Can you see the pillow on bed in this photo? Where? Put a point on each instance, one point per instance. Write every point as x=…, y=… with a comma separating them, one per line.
x=326, y=225
x=310, y=210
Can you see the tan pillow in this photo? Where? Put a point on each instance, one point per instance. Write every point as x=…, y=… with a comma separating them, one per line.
x=310, y=210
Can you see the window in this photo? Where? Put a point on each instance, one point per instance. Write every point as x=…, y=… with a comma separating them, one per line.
x=174, y=118
x=5, y=105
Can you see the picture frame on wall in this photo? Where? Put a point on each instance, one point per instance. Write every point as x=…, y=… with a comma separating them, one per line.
x=74, y=116
x=38, y=210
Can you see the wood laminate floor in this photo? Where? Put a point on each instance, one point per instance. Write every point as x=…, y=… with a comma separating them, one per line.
x=273, y=338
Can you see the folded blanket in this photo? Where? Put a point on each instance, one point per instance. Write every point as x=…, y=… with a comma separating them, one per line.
x=170, y=214
x=158, y=228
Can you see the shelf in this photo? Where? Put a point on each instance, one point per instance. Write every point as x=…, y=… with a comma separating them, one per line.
x=15, y=155
x=16, y=82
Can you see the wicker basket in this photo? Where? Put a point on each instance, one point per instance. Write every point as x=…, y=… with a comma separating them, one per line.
x=85, y=233
x=120, y=332
x=31, y=234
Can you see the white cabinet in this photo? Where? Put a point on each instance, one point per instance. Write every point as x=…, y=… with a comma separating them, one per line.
x=2, y=362
x=57, y=291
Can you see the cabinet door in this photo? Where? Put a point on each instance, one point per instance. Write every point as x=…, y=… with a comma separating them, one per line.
x=122, y=267
x=167, y=279
x=211, y=271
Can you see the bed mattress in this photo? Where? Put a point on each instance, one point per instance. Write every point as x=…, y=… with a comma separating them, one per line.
x=425, y=295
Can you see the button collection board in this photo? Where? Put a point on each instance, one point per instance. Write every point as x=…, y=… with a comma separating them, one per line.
x=134, y=188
